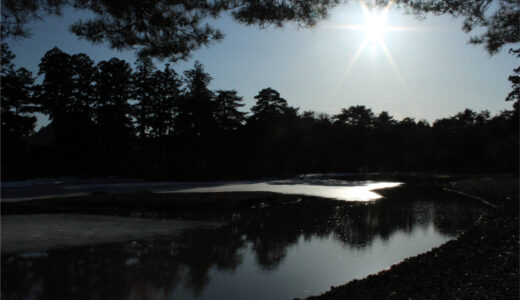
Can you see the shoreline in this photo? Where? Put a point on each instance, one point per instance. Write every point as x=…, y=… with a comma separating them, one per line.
x=482, y=263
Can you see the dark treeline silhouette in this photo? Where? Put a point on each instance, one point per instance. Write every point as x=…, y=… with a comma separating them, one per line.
x=108, y=119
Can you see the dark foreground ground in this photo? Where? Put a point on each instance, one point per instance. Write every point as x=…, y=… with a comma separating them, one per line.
x=482, y=263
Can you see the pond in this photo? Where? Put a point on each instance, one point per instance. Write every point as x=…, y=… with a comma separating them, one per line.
x=279, y=251
x=330, y=187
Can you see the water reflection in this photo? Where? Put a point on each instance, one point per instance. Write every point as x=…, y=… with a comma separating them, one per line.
x=320, y=186
x=327, y=188
x=280, y=251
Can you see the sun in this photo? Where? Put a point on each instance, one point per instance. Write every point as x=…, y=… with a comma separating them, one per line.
x=375, y=27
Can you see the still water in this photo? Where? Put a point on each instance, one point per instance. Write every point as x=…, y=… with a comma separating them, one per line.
x=281, y=251
x=318, y=186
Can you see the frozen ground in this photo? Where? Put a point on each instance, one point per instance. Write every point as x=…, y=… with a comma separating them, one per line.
x=34, y=233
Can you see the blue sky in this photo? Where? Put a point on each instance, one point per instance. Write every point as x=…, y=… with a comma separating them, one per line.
x=434, y=73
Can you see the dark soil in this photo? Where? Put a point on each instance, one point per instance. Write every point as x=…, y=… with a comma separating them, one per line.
x=482, y=263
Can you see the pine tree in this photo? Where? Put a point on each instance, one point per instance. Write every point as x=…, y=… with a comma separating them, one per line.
x=270, y=106
x=83, y=96
x=113, y=90
x=165, y=106
x=144, y=86
x=56, y=90
x=196, y=109
x=169, y=29
x=17, y=122
x=227, y=115
x=66, y=94
x=16, y=100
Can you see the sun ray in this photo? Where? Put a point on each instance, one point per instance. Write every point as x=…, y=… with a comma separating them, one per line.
x=351, y=64
x=394, y=65
x=374, y=28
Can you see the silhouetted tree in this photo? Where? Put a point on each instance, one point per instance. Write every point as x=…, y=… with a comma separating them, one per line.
x=6, y=59
x=386, y=147
x=272, y=134
x=164, y=108
x=197, y=108
x=113, y=111
x=384, y=120
x=498, y=18
x=159, y=28
x=172, y=29
x=514, y=95
x=67, y=96
x=355, y=124
x=55, y=92
x=16, y=95
x=144, y=86
x=358, y=116
x=227, y=115
x=270, y=106
x=16, y=121
x=83, y=95
x=411, y=140
x=113, y=88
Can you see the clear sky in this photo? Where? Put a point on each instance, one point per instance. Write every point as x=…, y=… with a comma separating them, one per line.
x=433, y=72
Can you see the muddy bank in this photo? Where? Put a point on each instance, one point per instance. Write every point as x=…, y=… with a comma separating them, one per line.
x=482, y=263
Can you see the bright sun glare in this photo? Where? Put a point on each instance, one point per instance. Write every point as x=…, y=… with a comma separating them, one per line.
x=375, y=23
x=375, y=27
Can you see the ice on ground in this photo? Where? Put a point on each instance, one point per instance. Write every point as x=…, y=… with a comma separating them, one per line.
x=36, y=233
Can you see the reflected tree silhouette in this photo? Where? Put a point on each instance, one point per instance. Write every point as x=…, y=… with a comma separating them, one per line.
x=166, y=264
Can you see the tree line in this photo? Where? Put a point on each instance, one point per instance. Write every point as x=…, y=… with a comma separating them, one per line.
x=109, y=119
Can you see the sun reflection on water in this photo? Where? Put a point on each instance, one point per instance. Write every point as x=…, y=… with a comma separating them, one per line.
x=340, y=190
